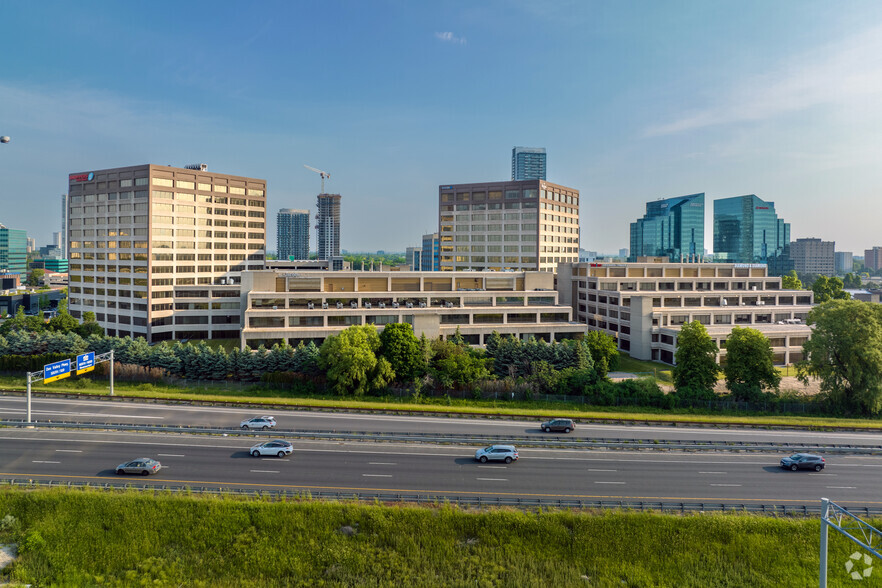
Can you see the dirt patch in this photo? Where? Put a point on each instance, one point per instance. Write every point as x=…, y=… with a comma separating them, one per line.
x=788, y=384
x=8, y=553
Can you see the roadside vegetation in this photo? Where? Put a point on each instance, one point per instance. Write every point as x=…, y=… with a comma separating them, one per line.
x=80, y=538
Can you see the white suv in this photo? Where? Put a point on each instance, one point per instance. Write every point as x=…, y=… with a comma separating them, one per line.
x=506, y=453
x=262, y=422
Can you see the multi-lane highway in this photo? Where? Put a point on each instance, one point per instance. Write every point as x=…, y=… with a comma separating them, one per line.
x=103, y=411
x=439, y=470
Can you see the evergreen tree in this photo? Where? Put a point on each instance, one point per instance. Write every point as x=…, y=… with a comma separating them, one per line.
x=491, y=343
x=258, y=363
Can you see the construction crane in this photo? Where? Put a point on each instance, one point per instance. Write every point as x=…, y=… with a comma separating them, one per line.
x=323, y=174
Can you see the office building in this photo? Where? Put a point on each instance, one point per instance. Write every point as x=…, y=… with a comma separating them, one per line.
x=873, y=259
x=13, y=250
x=413, y=257
x=429, y=255
x=672, y=228
x=813, y=256
x=328, y=225
x=62, y=237
x=57, y=241
x=508, y=226
x=281, y=307
x=31, y=244
x=843, y=262
x=748, y=230
x=528, y=163
x=158, y=251
x=51, y=264
x=644, y=305
x=292, y=231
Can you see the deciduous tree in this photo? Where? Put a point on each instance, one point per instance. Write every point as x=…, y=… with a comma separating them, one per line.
x=790, y=281
x=750, y=364
x=401, y=349
x=696, y=368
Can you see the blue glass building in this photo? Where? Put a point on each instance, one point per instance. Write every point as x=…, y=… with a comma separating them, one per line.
x=13, y=251
x=528, y=163
x=292, y=232
x=747, y=230
x=429, y=254
x=672, y=228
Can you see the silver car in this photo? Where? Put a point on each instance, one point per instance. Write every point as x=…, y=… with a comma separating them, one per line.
x=275, y=447
x=261, y=422
x=506, y=453
x=143, y=465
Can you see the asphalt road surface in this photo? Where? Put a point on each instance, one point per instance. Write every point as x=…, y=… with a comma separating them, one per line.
x=104, y=411
x=212, y=461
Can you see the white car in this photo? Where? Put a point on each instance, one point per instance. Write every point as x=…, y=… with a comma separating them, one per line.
x=274, y=447
x=261, y=422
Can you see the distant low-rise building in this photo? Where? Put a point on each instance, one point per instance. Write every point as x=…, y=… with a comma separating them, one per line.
x=813, y=256
x=843, y=262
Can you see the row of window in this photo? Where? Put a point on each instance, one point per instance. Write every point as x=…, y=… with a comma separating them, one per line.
x=108, y=197
x=688, y=285
x=419, y=302
x=204, y=187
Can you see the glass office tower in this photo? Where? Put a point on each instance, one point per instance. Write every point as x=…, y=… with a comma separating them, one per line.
x=13, y=251
x=528, y=163
x=672, y=228
x=292, y=232
x=429, y=255
x=748, y=230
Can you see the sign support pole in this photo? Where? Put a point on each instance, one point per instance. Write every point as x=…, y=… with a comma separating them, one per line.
x=111, y=372
x=825, y=510
x=29, y=397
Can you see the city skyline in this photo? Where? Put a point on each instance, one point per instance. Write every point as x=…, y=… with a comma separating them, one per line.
x=641, y=113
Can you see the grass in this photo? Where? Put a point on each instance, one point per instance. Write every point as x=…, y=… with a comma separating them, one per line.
x=660, y=371
x=255, y=394
x=85, y=538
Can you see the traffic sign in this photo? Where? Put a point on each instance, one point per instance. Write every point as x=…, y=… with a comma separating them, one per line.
x=85, y=362
x=56, y=371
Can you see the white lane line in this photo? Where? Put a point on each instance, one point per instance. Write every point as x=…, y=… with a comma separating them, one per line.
x=711, y=472
x=599, y=482
x=72, y=451
x=494, y=479
x=822, y=474
x=728, y=485
x=275, y=459
x=595, y=470
x=265, y=471
x=382, y=463
x=492, y=467
x=377, y=475
x=842, y=487
x=84, y=414
x=42, y=461
x=170, y=454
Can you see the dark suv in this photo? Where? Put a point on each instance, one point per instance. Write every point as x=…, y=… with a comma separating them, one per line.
x=564, y=425
x=803, y=461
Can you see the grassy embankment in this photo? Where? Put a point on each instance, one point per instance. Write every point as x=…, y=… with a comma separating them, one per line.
x=85, y=538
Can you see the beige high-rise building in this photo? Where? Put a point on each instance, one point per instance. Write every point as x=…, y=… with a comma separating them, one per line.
x=157, y=251
x=508, y=226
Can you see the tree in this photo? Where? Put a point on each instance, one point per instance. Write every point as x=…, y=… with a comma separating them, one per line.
x=401, y=349
x=604, y=352
x=852, y=281
x=35, y=277
x=828, y=289
x=460, y=370
x=790, y=281
x=89, y=326
x=845, y=353
x=696, y=368
x=350, y=359
x=63, y=321
x=750, y=364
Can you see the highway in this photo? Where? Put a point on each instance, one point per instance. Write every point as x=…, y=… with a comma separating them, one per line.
x=105, y=411
x=449, y=470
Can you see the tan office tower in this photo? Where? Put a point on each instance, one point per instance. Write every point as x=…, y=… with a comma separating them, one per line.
x=511, y=226
x=157, y=251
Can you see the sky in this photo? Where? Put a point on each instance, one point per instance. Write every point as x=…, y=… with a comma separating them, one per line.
x=633, y=100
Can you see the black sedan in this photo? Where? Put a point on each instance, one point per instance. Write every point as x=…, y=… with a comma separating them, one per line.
x=803, y=461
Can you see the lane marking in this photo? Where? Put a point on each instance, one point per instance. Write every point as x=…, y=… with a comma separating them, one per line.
x=42, y=461
x=822, y=474
x=494, y=479
x=728, y=485
x=599, y=482
x=382, y=463
x=275, y=459
x=842, y=487
x=265, y=471
x=70, y=451
x=492, y=467
x=594, y=470
x=170, y=454
x=377, y=475
x=711, y=472
x=103, y=415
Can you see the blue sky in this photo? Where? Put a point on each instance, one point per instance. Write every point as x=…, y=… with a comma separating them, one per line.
x=634, y=101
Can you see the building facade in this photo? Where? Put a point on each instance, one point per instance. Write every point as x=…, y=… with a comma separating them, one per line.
x=528, y=163
x=62, y=237
x=281, y=306
x=644, y=305
x=328, y=225
x=748, y=230
x=413, y=258
x=873, y=259
x=672, y=228
x=429, y=254
x=292, y=232
x=813, y=256
x=13, y=250
x=843, y=262
x=507, y=226
x=158, y=251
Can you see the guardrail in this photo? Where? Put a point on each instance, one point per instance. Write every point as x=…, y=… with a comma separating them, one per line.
x=458, y=500
x=460, y=439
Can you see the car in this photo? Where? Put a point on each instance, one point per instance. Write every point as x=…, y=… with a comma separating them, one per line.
x=275, y=447
x=506, y=453
x=143, y=465
x=261, y=422
x=564, y=425
x=803, y=461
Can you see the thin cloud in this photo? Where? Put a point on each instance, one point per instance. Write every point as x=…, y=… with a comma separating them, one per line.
x=449, y=37
x=846, y=75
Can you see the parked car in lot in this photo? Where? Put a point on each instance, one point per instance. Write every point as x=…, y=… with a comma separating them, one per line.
x=559, y=425
x=275, y=447
x=506, y=453
x=143, y=465
x=261, y=422
x=803, y=461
